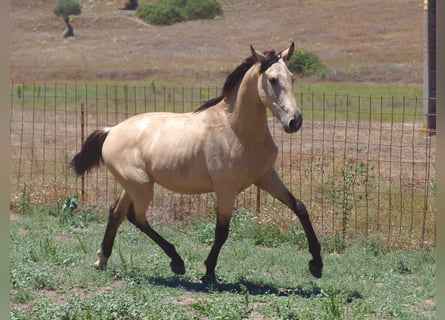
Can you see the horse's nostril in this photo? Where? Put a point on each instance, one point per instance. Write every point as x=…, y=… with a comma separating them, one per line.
x=295, y=123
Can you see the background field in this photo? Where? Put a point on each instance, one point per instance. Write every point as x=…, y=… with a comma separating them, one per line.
x=365, y=41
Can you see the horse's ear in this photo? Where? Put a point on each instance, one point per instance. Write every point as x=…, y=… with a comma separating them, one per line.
x=287, y=54
x=257, y=56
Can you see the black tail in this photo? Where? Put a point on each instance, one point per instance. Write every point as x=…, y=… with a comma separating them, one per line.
x=90, y=155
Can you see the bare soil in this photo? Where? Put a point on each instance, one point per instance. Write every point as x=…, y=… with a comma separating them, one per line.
x=366, y=40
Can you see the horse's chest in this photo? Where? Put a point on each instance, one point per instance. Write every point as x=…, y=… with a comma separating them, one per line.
x=241, y=164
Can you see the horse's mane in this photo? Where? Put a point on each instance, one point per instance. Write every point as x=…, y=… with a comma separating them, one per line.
x=237, y=75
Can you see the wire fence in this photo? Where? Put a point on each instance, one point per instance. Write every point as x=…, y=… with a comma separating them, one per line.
x=362, y=164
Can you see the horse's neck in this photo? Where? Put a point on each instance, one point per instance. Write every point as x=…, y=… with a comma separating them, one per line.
x=249, y=116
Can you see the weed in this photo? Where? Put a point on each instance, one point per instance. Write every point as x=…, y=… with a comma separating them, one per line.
x=347, y=187
x=22, y=203
x=334, y=244
x=403, y=267
x=19, y=88
x=433, y=187
x=334, y=305
x=21, y=296
x=374, y=247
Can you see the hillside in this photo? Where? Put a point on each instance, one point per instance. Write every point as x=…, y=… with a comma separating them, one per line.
x=367, y=40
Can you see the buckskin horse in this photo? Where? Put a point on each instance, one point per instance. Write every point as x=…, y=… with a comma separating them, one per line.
x=224, y=146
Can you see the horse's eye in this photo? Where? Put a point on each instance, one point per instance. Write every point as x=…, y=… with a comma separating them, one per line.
x=273, y=81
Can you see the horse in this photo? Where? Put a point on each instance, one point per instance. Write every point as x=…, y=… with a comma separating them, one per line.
x=224, y=146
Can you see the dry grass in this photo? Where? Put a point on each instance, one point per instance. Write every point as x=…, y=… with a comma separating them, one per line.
x=373, y=41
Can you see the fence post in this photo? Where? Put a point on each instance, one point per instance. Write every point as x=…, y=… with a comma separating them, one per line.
x=258, y=200
x=429, y=72
x=82, y=138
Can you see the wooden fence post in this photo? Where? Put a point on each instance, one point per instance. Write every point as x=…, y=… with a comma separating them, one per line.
x=258, y=200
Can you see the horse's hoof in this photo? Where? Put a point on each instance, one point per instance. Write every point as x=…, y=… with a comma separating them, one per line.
x=99, y=266
x=209, y=279
x=177, y=269
x=316, y=269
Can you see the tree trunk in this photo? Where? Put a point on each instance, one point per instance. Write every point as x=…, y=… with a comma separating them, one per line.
x=131, y=5
x=70, y=31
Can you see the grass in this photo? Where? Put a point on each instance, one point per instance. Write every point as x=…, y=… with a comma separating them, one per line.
x=319, y=101
x=262, y=270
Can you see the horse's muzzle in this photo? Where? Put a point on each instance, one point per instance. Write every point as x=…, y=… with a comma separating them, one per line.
x=294, y=124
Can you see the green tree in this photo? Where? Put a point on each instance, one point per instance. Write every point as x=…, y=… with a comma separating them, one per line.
x=65, y=9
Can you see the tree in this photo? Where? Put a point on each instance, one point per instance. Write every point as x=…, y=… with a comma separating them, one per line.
x=65, y=9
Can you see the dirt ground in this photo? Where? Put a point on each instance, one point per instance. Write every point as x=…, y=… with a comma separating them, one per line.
x=366, y=40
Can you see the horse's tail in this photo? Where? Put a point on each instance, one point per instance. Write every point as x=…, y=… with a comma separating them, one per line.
x=90, y=155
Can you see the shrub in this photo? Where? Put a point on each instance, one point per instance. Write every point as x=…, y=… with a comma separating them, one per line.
x=164, y=12
x=305, y=63
x=202, y=9
x=168, y=12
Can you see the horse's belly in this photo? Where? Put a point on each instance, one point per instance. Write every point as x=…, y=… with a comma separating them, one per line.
x=188, y=175
x=184, y=185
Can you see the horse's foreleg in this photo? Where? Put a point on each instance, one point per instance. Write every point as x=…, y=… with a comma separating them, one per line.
x=136, y=215
x=118, y=211
x=224, y=214
x=272, y=184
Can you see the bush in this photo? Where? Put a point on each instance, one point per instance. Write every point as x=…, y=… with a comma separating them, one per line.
x=168, y=12
x=202, y=9
x=305, y=63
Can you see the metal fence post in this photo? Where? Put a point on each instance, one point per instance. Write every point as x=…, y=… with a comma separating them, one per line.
x=82, y=138
x=429, y=72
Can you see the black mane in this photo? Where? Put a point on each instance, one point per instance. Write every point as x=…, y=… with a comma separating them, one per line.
x=237, y=75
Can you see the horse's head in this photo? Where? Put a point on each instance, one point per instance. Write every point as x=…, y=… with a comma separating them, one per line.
x=275, y=88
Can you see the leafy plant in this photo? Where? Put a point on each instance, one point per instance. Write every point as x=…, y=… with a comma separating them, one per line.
x=22, y=203
x=168, y=12
x=202, y=9
x=305, y=63
x=342, y=188
x=334, y=303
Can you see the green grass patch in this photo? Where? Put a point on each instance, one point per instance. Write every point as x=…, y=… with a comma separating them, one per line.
x=318, y=101
x=262, y=270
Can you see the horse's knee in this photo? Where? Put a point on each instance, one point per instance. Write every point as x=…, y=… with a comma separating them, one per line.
x=298, y=207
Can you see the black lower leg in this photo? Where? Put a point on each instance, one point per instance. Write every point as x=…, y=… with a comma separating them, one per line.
x=176, y=264
x=221, y=234
x=316, y=264
x=113, y=223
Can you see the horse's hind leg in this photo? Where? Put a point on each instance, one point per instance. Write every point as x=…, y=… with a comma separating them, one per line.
x=225, y=201
x=142, y=197
x=117, y=214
